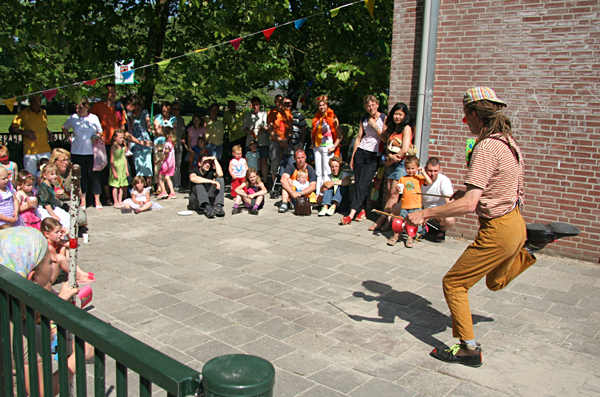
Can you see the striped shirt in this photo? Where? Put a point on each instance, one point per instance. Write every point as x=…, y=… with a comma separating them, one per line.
x=494, y=169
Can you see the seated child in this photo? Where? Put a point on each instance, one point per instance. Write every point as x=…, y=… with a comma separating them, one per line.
x=27, y=201
x=408, y=187
x=48, y=204
x=252, y=156
x=237, y=169
x=301, y=182
x=55, y=235
x=140, y=198
x=251, y=192
x=10, y=166
x=9, y=204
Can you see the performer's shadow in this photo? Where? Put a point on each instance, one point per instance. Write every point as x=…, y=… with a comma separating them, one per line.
x=424, y=320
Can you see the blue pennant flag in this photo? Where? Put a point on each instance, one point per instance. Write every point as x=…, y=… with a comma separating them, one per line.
x=127, y=75
x=370, y=54
x=310, y=83
x=300, y=22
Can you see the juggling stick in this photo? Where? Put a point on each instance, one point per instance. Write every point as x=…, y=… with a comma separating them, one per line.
x=433, y=195
x=386, y=214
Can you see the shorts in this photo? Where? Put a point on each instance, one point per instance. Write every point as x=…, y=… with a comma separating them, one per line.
x=395, y=171
x=404, y=213
x=263, y=152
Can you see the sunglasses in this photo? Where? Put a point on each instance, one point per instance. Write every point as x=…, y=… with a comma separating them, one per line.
x=287, y=104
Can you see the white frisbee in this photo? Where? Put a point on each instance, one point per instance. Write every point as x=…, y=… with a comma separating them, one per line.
x=185, y=213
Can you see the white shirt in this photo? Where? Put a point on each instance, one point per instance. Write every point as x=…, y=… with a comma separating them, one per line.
x=441, y=186
x=370, y=141
x=253, y=121
x=83, y=130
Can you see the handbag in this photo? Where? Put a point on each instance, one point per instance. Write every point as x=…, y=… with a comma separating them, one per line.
x=100, y=158
x=302, y=206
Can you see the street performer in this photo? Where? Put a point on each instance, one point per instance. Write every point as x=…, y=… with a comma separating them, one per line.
x=504, y=247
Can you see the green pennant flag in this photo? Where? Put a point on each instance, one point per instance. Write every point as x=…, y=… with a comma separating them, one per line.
x=335, y=12
x=163, y=64
x=381, y=43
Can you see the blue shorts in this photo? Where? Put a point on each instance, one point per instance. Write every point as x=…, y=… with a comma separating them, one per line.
x=404, y=213
x=263, y=152
x=395, y=171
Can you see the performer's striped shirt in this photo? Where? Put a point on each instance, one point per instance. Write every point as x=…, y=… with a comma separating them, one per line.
x=495, y=170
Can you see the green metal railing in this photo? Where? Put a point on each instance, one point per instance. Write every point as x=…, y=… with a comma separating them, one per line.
x=129, y=353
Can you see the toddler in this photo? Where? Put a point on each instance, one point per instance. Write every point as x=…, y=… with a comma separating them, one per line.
x=159, y=145
x=140, y=198
x=48, y=204
x=119, y=170
x=301, y=183
x=167, y=168
x=237, y=169
x=9, y=204
x=408, y=187
x=38, y=176
x=252, y=155
x=9, y=166
x=27, y=201
x=59, y=256
x=251, y=192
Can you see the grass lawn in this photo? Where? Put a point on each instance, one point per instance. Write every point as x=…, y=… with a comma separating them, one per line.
x=55, y=122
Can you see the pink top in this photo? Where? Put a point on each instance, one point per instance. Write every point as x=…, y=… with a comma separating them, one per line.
x=370, y=141
x=195, y=134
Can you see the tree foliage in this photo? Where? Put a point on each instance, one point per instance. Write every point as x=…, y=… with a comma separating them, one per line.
x=50, y=43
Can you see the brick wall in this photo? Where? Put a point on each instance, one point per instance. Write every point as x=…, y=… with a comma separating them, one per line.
x=543, y=59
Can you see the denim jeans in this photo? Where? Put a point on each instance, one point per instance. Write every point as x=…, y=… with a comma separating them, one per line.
x=329, y=197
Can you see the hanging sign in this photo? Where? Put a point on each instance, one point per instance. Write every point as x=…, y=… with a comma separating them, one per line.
x=121, y=72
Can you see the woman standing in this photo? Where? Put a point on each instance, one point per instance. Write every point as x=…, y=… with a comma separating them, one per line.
x=215, y=132
x=325, y=140
x=164, y=119
x=86, y=129
x=368, y=145
x=397, y=127
x=139, y=124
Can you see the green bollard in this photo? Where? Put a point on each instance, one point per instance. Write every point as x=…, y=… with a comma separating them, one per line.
x=238, y=375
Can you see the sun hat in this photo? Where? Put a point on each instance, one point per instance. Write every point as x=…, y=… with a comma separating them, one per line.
x=22, y=249
x=479, y=93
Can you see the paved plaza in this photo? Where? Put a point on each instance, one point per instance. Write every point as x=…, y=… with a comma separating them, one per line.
x=336, y=310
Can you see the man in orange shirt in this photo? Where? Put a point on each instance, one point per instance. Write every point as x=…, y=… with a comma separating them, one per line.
x=36, y=134
x=110, y=120
x=280, y=126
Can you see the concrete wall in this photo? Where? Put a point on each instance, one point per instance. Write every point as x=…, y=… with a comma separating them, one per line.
x=543, y=59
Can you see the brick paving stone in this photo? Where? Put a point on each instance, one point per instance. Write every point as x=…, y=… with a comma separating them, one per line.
x=267, y=285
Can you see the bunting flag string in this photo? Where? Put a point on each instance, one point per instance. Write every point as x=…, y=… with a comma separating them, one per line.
x=268, y=32
x=298, y=23
x=10, y=103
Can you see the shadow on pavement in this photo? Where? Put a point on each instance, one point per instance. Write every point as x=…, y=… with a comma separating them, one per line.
x=424, y=320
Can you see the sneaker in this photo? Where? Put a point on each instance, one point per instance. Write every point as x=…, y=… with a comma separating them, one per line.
x=162, y=196
x=362, y=215
x=459, y=354
x=129, y=153
x=291, y=205
x=172, y=196
x=346, y=220
x=219, y=211
x=539, y=235
x=210, y=211
x=126, y=211
x=331, y=211
x=283, y=208
x=253, y=212
x=323, y=211
x=236, y=210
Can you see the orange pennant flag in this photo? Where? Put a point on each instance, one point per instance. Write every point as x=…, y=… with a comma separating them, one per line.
x=370, y=6
x=201, y=49
x=236, y=43
x=10, y=103
x=90, y=82
x=268, y=33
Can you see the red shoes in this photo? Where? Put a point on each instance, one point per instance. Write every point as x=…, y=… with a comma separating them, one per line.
x=362, y=215
x=346, y=220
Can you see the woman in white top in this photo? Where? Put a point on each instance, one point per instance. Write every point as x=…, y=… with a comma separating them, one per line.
x=367, y=148
x=86, y=128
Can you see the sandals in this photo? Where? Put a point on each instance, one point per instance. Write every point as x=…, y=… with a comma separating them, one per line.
x=377, y=225
x=392, y=241
x=441, y=236
x=98, y=206
x=409, y=242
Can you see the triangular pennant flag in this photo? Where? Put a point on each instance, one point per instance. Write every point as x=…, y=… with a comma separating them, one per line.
x=381, y=43
x=10, y=103
x=50, y=94
x=310, y=83
x=127, y=75
x=163, y=64
x=334, y=12
x=370, y=54
x=236, y=43
x=354, y=85
x=300, y=22
x=201, y=49
x=90, y=82
x=370, y=6
x=268, y=33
